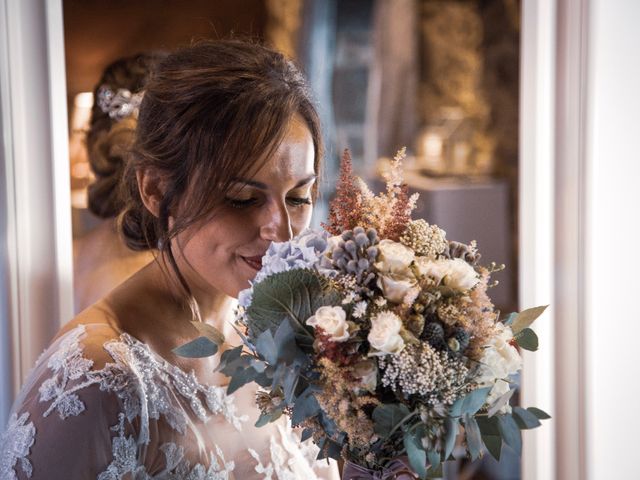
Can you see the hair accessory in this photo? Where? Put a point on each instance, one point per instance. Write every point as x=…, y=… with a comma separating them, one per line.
x=119, y=104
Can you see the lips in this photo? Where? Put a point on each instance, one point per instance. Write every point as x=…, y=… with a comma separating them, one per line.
x=254, y=262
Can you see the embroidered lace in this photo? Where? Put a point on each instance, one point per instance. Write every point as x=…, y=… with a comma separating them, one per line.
x=140, y=417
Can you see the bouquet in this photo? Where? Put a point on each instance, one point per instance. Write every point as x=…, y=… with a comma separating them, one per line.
x=377, y=337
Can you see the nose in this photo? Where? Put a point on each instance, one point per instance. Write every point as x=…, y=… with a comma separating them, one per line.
x=276, y=226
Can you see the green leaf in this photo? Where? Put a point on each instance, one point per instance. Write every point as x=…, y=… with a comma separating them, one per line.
x=474, y=439
x=304, y=407
x=240, y=378
x=263, y=420
x=198, y=348
x=526, y=318
x=266, y=347
x=493, y=444
x=510, y=432
x=525, y=419
x=417, y=456
x=527, y=339
x=540, y=414
x=472, y=402
x=294, y=294
x=434, y=459
x=228, y=360
x=501, y=402
x=452, y=427
x=488, y=425
x=334, y=450
x=387, y=416
x=209, y=331
x=290, y=383
x=306, y=434
x=287, y=349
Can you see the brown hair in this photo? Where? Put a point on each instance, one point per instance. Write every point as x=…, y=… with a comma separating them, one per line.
x=108, y=140
x=212, y=112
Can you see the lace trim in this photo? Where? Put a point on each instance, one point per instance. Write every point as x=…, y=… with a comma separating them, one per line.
x=15, y=444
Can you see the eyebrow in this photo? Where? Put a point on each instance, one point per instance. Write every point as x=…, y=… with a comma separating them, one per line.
x=263, y=186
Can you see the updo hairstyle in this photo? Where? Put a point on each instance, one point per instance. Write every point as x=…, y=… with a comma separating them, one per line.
x=109, y=139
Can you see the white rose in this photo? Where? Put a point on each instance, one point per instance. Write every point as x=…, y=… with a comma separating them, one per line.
x=460, y=275
x=384, y=336
x=499, y=358
x=435, y=269
x=394, y=257
x=456, y=274
x=396, y=288
x=333, y=321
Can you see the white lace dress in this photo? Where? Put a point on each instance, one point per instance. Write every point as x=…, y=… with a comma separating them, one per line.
x=105, y=406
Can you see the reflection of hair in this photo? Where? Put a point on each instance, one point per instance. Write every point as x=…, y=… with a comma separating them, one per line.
x=211, y=113
x=108, y=139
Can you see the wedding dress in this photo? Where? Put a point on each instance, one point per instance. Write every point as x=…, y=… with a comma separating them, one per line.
x=101, y=404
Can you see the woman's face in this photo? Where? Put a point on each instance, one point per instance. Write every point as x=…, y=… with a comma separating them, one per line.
x=273, y=205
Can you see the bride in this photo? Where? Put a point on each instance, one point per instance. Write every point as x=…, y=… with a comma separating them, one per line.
x=225, y=161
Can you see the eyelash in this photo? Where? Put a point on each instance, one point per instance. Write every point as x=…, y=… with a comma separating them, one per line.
x=296, y=201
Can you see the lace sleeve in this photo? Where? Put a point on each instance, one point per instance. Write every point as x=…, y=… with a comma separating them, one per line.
x=64, y=423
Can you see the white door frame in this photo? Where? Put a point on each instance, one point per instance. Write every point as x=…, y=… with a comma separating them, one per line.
x=537, y=229
x=37, y=263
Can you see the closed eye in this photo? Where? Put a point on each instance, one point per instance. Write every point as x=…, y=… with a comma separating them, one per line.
x=235, y=203
x=299, y=201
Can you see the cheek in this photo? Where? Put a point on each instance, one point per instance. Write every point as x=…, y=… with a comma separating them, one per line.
x=301, y=219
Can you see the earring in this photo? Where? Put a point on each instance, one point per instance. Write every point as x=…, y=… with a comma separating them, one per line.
x=160, y=244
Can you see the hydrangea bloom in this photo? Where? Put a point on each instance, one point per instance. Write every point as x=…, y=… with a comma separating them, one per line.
x=306, y=250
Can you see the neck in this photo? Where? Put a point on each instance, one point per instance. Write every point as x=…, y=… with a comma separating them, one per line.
x=213, y=306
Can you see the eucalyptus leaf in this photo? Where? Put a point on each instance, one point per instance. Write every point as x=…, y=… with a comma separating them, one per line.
x=417, y=455
x=286, y=346
x=526, y=318
x=510, y=432
x=525, y=419
x=475, y=400
x=294, y=294
x=500, y=402
x=540, y=414
x=228, y=360
x=199, y=348
x=209, y=331
x=290, y=383
x=474, y=438
x=240, y=378
x=258, y=365
x=527, y=339
x=263, y=420
x=305, y=406
x=452, y=427
x=387, y=416
x=266, y=347
x=493, y=444
x=434, y=459
x=334, y=450
x=488, y=425
x=306, y=434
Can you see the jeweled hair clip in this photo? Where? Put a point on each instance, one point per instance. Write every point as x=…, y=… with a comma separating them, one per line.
x=119, y=104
